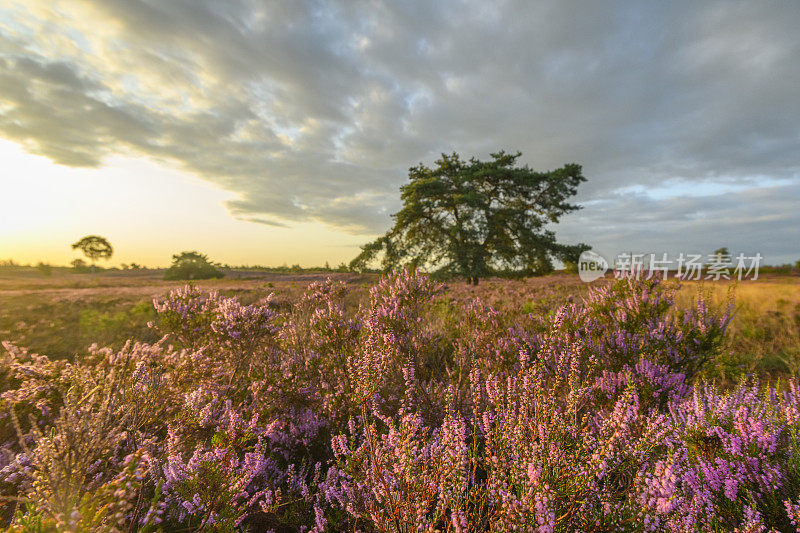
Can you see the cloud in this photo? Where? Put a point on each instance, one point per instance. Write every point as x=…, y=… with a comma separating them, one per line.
x=739, y=219
x=313, y=111
x=266, y=222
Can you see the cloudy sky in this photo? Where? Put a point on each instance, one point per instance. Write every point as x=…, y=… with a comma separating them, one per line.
x=279, y=132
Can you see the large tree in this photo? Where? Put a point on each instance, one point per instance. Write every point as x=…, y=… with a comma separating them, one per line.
x=94, y=247
x=479, y=218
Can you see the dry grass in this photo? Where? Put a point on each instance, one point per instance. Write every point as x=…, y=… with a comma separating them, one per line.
x=764, y=334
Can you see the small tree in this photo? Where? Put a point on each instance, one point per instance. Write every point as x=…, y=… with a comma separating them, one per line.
x=94, y=247
x=477, y=218
x=191, y=265
x=79, y=265
x=44, y=269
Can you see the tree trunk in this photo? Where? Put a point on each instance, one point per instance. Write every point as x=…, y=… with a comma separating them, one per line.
x=475, y=280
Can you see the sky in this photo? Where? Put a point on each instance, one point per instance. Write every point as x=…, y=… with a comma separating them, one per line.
x=280, y=132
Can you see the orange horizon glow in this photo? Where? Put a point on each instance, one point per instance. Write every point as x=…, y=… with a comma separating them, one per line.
x=47, y=207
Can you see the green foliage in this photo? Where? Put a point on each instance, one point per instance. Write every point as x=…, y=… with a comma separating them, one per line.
x=191, y=265
x=479, y=218
x=106, y=327
x=64, y=327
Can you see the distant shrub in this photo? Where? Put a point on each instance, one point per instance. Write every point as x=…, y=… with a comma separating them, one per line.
x=79, y=265
x=44, y=269
x=191, y=265
x=570, y=267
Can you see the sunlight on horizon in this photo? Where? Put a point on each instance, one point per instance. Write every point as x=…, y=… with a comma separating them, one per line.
x=47, y=207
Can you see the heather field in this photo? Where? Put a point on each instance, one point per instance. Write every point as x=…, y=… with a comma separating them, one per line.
x=347, y=402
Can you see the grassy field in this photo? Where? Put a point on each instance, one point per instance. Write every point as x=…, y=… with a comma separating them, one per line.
x=61, y=315
x=764, y=335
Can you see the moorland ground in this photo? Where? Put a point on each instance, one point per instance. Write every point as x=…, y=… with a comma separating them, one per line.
x=62, y=314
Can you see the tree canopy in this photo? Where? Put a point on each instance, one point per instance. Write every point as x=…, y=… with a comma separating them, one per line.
x=94, y=247
x=720, y=254
x=479, y=218
x=191, y=265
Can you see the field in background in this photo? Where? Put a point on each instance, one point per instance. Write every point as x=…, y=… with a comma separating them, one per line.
x=62, y=314
x=764, y=335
